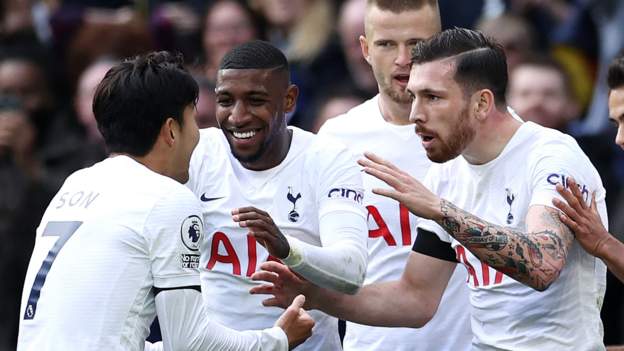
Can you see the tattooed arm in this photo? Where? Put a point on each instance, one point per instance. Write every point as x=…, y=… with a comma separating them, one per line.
x=535, y=257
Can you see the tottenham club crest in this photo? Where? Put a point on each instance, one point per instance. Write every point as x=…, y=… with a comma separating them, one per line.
x=293, y=215
x=191, y=232
x=510, y=199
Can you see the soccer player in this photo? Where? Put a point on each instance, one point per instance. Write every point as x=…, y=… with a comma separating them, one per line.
x=119, y=242
x=532, y=287
x=583, y=218
x=270, y=192
x=381, y=125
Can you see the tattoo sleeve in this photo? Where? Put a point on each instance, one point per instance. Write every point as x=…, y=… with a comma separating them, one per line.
x=535, y=258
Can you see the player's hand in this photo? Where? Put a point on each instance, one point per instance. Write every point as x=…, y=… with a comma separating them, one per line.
x=282, y=283
x=405, y=189
x=582, y=219
x=261, y=226
x=296, y=322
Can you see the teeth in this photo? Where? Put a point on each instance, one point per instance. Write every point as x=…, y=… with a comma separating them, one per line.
x=244, y=135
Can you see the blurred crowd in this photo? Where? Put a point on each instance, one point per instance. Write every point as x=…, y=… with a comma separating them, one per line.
x=53, y=53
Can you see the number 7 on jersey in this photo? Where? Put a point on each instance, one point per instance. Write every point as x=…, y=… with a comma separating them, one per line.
x=64, y=230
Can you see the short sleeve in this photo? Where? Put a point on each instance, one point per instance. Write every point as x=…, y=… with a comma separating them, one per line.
x=340, y=186
x=174, y=230
x=555, y=164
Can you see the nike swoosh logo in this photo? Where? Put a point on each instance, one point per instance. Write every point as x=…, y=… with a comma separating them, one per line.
x=206, y=199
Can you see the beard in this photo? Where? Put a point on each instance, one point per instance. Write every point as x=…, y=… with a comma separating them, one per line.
x=461, y=134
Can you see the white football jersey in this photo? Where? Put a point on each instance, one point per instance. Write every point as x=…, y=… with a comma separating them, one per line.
x=316, y=177
x=392, y=230
x=507, y=314
x=106, y=239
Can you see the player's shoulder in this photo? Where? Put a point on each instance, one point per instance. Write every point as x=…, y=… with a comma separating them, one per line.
x=551, y=143
x=357, y=117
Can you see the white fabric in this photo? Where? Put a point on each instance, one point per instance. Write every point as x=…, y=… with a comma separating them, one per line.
x=341, y=262
x=392, y=231
x=138, y=229
x=505, y=313
x=197, y=332
x=313, y=173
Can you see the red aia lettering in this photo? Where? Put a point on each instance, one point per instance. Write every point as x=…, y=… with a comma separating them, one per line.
x=461, y=256
x=231, y=256
x=384, y=232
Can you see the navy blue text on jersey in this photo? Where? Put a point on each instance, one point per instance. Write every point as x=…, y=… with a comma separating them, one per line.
x=562, y=179
x=346, y=193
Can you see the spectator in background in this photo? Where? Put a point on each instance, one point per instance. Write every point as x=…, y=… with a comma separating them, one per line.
x=227, y=23
x=350, y=28
x=22, y=201
x=335, y=103
x=305, y=31
x=93, y=150
x=539, y=91
x=513, y=32
x=56, y=138
x=206, y=103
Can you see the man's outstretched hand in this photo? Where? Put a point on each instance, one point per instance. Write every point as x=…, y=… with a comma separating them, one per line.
x=296, y=322
x=282, y=283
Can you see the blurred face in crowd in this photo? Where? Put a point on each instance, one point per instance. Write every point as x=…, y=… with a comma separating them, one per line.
x=334, y=107
x=389, y=40
x=227, y=25
x=251, y=108
x=27, y=82
x=440, y=110
x=539, y=94
x=83, y=101
x=616, y=113
x=350, y=28
x=282, y=13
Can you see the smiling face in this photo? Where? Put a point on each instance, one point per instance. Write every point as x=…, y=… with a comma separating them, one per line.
x=251, y=108
x=440, y=110
x=389, y=40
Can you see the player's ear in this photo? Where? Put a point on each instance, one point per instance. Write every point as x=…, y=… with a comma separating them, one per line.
x=364, y=47
x=168, y=131
x=290, y=101
x=482, y=103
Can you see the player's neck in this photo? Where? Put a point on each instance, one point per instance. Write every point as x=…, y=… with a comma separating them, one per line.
x=491, y=138
x=394, y=112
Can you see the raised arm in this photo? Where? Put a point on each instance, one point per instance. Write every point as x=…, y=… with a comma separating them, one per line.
x=535, y=257
x=408, y=302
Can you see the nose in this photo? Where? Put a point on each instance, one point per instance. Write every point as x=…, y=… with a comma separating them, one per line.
x=404, y=56
x=619, y=138
x=417, y=114
x=239, y=114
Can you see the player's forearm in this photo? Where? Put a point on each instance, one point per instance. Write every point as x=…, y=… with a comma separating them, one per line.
x=340, y=264
x=390, y=304
x=612, y=254
x=535, y=259
x=186, y=326
x=341, y=267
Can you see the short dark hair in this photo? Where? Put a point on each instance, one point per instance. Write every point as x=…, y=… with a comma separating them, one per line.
x=615, y=75
x=137, y=96
x=255, y=54
x=398, y=6
x=479, y=61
